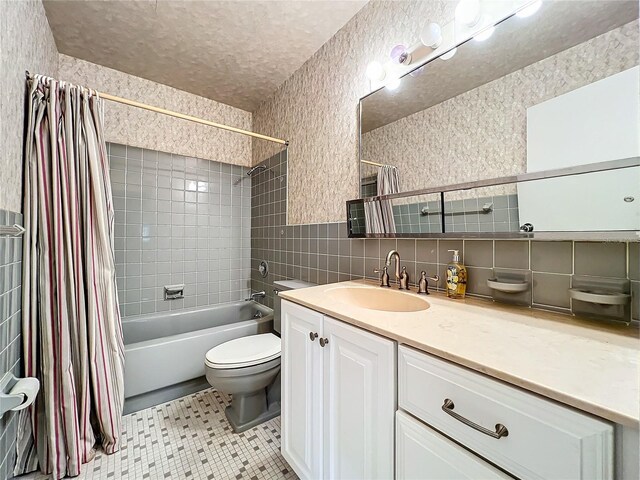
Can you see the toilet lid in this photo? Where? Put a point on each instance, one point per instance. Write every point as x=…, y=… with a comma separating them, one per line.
x=244, y=351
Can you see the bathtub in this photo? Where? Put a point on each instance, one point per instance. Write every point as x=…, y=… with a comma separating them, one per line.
x=166, y=349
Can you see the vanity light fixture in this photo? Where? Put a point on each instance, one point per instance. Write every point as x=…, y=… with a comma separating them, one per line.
x=375, y=72
x=468, y=12
x=484, y=34
x=431, y=35
x=529, y=9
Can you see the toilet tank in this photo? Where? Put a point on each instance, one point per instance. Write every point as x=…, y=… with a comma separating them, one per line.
x=281, y=286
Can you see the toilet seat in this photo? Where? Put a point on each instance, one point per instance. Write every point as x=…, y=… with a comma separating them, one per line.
x=244, y=352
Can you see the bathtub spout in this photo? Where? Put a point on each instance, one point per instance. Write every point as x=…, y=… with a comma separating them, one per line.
x=256, y=295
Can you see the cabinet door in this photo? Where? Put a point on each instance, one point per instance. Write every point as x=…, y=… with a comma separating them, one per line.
x=360, y=403
x=302, y=390
x=422, y=453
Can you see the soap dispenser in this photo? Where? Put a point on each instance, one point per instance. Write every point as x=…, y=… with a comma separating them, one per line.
x=456, y=277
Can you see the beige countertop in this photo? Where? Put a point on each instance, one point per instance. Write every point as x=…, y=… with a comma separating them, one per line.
x=591, y=366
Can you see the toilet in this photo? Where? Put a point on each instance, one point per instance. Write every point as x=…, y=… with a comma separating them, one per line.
x=248, y=368
x=245, y=367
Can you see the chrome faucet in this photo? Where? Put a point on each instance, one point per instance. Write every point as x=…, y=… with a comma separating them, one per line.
x=256, y=295
x=391, y=255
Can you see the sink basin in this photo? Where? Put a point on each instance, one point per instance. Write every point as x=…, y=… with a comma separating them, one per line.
x=382, y=299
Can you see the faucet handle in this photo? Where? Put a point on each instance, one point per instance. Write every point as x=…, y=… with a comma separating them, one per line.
x=423, y=284
x=404, y=279
x=384, y=278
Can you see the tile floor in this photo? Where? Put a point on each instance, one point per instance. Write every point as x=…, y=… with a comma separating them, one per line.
x=190, y=438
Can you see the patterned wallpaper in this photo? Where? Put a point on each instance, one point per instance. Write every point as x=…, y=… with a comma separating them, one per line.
x=482, y=133
x=141, y=128
x=316, y=109
x=26, y=44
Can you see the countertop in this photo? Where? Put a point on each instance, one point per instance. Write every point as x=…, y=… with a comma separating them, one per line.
x=589, y=365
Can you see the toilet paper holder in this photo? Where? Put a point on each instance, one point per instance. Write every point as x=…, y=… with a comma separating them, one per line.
x=9, y=401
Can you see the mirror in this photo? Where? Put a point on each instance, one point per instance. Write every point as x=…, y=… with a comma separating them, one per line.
x=557, y=90
x=549, y=202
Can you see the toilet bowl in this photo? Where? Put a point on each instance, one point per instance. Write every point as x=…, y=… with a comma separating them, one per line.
x=247, y=368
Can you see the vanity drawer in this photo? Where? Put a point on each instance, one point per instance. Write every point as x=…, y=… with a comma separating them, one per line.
x=544, y=439
x=421, y=453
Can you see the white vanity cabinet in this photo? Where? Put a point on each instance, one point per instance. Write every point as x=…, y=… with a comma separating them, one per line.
x=338, y=398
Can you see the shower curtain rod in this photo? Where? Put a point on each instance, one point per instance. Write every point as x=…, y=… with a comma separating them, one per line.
x=375, y=164
x=170, y=113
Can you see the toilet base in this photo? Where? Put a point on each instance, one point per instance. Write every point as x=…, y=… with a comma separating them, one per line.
x=247, y=411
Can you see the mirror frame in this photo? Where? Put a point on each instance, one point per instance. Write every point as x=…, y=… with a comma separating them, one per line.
x=609, y=235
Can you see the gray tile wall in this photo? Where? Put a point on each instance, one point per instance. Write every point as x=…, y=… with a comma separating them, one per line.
x=369, y=187
x=410, y=219
x=468, y=215
x=268, y=224
x=10, y=327
x=179, y=220
x=322, y=253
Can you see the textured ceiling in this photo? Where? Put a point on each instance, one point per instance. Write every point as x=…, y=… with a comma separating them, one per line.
x=234, y=52
x=516, y=43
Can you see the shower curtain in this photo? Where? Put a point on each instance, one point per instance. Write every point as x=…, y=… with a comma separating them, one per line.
x=71, y=326
x=378, y=214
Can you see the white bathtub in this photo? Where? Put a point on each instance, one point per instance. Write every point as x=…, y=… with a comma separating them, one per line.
x=166, y=349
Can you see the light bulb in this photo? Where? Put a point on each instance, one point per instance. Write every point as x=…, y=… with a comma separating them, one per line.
x=399, y=54
x=484, y=34
x=449, y=55
x=468, y=12
x=529, y=9
x=393, y=84
x=431, y=35
x=375, y=72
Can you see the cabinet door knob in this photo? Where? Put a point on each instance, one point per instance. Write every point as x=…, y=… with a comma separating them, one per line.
x=313, y=336
x=324, y=341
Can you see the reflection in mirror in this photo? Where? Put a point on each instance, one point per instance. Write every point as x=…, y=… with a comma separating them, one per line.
x=488, y=209
x=597, y=201
x=558, y=89
x=420, y=214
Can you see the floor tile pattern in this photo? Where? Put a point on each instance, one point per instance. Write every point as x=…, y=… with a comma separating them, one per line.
x=189, y=438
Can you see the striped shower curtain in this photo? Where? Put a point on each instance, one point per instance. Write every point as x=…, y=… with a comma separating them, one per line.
x=71, y=326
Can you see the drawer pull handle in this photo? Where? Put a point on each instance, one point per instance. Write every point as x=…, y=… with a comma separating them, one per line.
x=501, y=430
